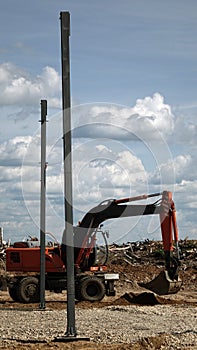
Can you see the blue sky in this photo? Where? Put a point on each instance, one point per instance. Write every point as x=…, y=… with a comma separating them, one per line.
x=137, y=48
x=134, y=97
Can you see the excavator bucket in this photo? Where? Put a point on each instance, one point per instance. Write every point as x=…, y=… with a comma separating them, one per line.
x=163, y=284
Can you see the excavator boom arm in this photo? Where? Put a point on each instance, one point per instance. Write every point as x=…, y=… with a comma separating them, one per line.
x=167, y=281
x=114, y=208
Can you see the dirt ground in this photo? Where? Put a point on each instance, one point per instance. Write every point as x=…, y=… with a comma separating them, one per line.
x=127, y=288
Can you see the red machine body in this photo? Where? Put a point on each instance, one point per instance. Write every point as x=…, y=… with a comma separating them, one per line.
x=22, y=259
x=28, y=259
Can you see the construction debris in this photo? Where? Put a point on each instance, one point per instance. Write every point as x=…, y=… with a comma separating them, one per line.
x=151, y=251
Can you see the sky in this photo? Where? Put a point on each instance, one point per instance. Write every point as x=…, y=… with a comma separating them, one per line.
x=133, y=115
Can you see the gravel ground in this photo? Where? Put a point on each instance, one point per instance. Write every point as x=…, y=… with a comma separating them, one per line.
x=108, y=325
x=114, y=323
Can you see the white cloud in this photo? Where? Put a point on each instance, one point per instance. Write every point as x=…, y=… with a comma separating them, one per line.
x=100, y=172
x=103, y=150
x=151, y=118
x=156, y=112
x=185, y=130
x=177, y=170
x=185, y=197
x=185, y=168
x=17, y=87
x=9, y=174
x=105, y=163
x=12, y=151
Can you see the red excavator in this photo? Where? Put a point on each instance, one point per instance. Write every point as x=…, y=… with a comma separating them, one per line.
x=92, y=281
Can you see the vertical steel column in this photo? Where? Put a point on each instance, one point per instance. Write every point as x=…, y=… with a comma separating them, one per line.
x=1, y=236
x=67, y=238
x=42, y=203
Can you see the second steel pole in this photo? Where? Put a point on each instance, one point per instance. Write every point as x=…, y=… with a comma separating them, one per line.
x=43, y=203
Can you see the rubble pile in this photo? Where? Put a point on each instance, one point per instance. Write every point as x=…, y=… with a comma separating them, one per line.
x=151, y=252
x=140, y=262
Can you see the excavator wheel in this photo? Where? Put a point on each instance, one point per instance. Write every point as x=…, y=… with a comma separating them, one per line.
x=28, y=290
x=90, y=288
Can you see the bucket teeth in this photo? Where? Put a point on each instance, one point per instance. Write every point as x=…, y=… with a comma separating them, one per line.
x=162, y=284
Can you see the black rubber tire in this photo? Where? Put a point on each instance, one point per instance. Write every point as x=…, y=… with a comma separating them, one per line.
x=13, y=292
x=28, y=290
x=90, y=288
x=77, y=294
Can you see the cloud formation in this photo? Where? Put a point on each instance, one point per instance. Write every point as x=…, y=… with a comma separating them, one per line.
x=18, y=88
x=150, y=118
x=183, y=166
x=118, y=152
